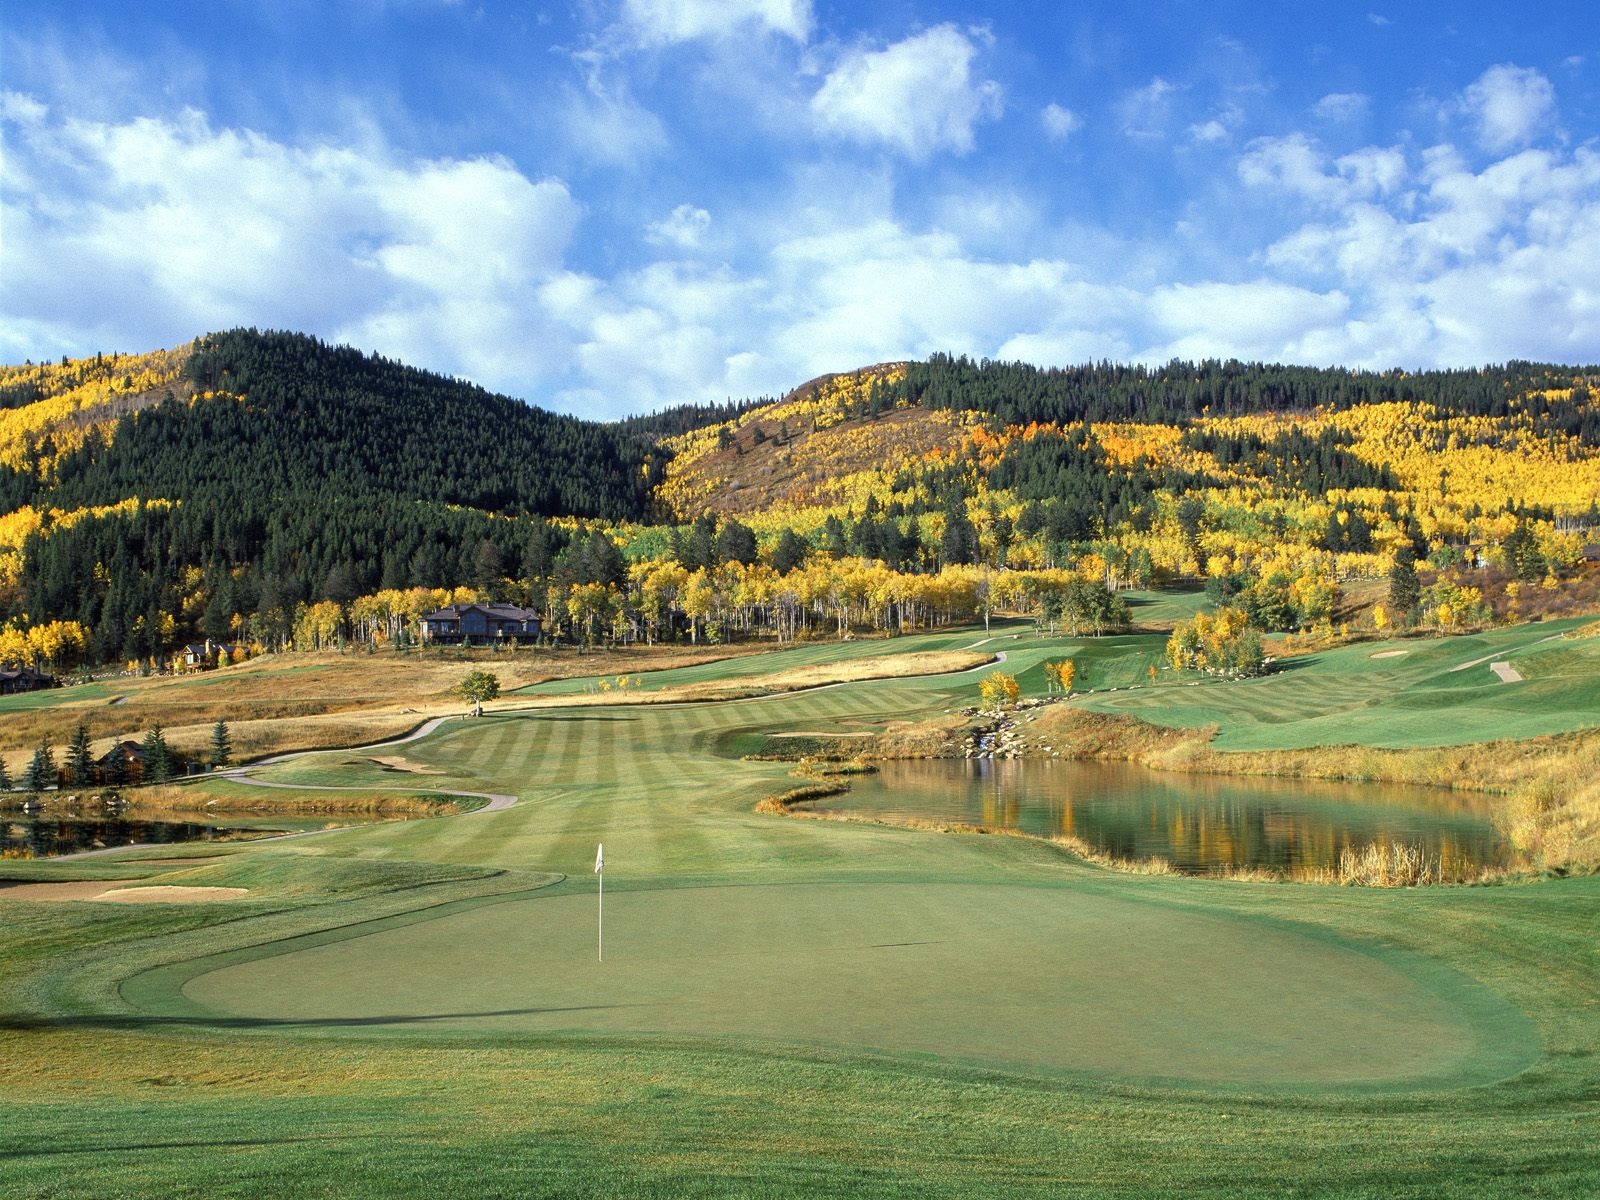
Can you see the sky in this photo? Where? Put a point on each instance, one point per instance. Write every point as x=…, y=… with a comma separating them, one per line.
x=612, y=206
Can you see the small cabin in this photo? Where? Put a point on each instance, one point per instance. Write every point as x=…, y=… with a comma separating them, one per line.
x=1591, y=552
x=23, y=679
x=465, y=624
x=124, y=762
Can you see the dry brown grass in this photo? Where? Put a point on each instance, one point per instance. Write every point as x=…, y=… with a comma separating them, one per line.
x=202, y=803
x=889, y=666
x=298, y=686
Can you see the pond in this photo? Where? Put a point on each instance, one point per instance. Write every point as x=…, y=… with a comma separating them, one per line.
x=1199, y=823
x=47, y=837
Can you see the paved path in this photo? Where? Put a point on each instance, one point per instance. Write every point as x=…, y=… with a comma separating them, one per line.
x=1554, y=637
x=497, y=801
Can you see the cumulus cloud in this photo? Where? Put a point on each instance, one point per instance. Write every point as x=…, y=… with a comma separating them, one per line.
x=1441, y=262
x=1060, y=123
x=917, y=95
x=150, y=231
x=661, y=22
x=1511, y=106
x=1260, y=319
x=1342, y=106
x=684, y=227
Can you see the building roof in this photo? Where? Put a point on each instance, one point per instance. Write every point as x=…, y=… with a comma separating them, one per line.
x=502, y=612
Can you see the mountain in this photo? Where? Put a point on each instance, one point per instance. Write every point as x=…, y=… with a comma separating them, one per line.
x=229, y=484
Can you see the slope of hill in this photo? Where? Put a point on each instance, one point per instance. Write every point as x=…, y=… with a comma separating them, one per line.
x=134, y=485
x=232, y=484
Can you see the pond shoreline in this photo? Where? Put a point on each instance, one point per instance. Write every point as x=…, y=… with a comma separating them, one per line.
x=1525, y=776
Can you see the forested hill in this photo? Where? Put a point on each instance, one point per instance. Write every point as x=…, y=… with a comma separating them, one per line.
x=1555, y=397
x=273, y=463
x=279, y=414
x=223, y=489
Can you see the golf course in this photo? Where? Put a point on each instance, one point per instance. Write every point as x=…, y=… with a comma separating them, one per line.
x=793, y=1006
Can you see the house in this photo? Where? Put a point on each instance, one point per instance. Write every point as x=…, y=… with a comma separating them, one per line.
x=202, y=656
x=1591, y=552
x=23, y=679
x=465, y=624
x=124, y=762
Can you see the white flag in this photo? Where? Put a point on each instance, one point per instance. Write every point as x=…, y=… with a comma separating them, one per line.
x=600, y=858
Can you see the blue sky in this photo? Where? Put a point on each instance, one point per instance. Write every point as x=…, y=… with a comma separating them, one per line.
x=609, y=206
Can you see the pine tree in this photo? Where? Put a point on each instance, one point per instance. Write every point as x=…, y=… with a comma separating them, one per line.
x=1405, y=590
x=80, y=761
x=5, y=776
x=221, y=746
x=41, y=772
x=158, y=764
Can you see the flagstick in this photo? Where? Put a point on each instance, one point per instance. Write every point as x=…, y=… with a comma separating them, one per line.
x=600, y=945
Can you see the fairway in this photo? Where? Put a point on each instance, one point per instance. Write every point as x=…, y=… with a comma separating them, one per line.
x=820, y=1007
x=1052, y=978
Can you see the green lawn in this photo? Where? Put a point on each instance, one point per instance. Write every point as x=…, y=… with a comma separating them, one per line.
x=1405, y=692
x=794, y=1007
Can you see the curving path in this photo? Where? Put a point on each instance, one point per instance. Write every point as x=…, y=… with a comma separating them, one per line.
x=497, y=801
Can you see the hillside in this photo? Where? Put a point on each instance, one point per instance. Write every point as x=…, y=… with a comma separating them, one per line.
x=142, y=488
x=271, y=488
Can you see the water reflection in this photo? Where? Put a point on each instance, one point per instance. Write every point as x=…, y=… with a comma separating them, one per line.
x=1197, y=822
x=48, y=837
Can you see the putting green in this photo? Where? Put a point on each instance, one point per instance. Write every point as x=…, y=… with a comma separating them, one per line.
x=1061, y=978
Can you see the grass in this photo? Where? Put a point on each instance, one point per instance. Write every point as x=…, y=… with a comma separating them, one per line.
x=1437, y=692
x=787, y=1007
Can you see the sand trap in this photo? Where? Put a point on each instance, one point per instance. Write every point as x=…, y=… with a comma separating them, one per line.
x=97, y=889
x=1506, y=672
x=84, y=889
x=394, y=762
x=1390, y=653
x=170, y=895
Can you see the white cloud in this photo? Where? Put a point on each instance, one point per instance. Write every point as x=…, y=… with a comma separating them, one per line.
x=1146, y=112
x=150, y=231
x=605, y=124
x=1441, y=262
x=1060, y=123
x=917, y=95
x=1512, y=106
x=1209, y=131
x=1341, y=107
x=1261, y=319
x=685, y=226
x=662, y=22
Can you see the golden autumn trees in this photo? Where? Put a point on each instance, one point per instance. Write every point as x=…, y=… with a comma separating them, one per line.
x=997, y=689
x=1220, y=642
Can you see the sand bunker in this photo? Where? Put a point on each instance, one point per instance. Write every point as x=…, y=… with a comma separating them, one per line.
x=1390, y=653
x=109, y=891
x=394, y=762
x=171, y=895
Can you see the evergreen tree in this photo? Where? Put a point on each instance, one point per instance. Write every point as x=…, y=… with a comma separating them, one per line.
x=833, y=543
x=221, y=746
x=960, y=542
x=789, y=553
x=158, y=759
x=80, y=762
x=736, y=542
x=1405, y=589
x=5, y=776
x=41, y=772
x=116, y=768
